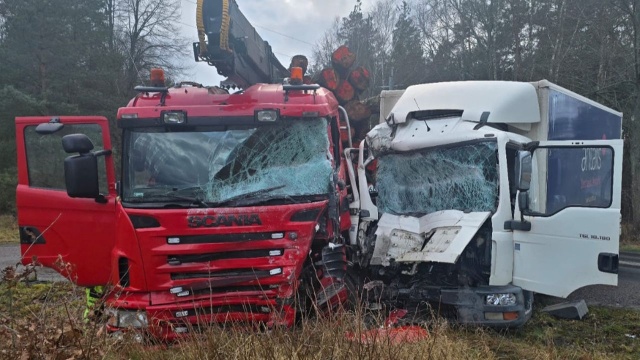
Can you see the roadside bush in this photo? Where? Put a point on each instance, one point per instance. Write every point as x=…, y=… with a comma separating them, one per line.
x=8, y=182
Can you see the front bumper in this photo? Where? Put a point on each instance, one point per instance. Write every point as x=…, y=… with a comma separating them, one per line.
x=467, y=305
x=171, y=321
x=471, y=308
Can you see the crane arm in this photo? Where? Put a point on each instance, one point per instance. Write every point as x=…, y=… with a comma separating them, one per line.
x=230, y=43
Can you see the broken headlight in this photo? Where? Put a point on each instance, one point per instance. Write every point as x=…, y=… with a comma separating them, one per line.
x=126, y=318
x=501, y=299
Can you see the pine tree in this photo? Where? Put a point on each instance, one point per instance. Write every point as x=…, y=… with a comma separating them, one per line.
x=407, y=57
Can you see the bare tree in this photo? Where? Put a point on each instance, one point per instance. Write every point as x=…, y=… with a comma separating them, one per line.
x=150, y=37
x=325, y=46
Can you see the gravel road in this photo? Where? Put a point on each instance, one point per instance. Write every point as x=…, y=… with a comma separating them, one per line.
x=10, y=256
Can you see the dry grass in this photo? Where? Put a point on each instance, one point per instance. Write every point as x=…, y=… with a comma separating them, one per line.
x=43, y=321
x=8, y=229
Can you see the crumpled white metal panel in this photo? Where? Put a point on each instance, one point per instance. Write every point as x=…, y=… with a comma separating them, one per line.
x=402, y=238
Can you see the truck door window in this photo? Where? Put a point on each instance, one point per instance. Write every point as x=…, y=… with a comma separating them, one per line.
x=576, y=177
x=45, y=156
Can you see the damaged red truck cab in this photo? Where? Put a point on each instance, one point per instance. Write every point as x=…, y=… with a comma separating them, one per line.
x=228, y=207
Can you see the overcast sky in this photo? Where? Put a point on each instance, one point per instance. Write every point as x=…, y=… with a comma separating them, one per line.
x=304, y=20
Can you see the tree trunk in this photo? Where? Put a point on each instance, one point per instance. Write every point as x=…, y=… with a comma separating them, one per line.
x=634, y=154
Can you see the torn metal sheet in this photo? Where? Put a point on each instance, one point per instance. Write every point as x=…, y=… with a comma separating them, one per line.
x=404, y=238
x=380, y=138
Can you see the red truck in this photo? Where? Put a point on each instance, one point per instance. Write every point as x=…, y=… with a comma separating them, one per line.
x=228, y=207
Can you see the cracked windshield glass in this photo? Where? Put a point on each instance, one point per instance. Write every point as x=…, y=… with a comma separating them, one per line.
x=463, y=177
x=288, y=158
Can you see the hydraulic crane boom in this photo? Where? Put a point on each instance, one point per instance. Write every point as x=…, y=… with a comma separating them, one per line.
x=233, y=46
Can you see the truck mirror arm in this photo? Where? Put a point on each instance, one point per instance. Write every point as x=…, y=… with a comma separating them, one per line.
x=102, y=153
x=522, y=224
x=530, y=146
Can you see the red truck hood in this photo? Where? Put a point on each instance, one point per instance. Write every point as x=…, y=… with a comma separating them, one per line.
x=200, y=254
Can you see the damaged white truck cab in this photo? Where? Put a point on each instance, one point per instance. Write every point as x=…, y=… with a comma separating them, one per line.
x=474, y=195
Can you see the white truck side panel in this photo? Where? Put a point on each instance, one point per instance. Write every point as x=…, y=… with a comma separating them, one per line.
x=561, y=253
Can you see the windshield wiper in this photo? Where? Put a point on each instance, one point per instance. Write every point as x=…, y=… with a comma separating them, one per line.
x=238, y=199
x=298, y=199
x=193, y=199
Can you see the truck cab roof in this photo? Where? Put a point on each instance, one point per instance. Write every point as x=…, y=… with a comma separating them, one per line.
x=513, y=103
x=202, y=101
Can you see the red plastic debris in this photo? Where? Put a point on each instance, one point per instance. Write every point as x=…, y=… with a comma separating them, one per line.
x=390, y=333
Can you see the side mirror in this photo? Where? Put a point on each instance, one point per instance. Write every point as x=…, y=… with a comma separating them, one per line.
x=54, y=125
x=81, y=176
x=80, y=171
x=523, y=202
x=523, y=168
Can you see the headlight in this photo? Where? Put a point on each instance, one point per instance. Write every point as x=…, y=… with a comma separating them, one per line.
x=501, y=299
x=126, y=318
x=174, y=117
x=266, y=115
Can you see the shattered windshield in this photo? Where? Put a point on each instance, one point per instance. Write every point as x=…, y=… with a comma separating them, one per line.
x=212, y=165
x=461, y=177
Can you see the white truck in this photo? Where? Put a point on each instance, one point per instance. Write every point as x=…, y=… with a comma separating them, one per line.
x=487, y=192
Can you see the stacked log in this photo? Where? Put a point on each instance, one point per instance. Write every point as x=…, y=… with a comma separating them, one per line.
x=359, y=78
x=329, y=78
x=342, y=59
x=347, y=85
x=357, y=110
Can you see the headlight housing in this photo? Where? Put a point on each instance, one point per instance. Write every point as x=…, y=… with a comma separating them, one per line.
x=266, y=115
x=501, y=299
x=126, y=318
x=174, y=117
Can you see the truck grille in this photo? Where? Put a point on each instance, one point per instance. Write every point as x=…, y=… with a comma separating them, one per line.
x=223, y=238
x=235, y=289
x=240, y=308
x=182, y=259
x=225, y=273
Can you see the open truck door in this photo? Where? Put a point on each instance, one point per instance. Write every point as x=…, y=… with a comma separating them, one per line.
x=73, y=235
x=569, y=229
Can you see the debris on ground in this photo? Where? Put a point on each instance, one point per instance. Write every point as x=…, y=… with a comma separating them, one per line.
x=574, y=310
